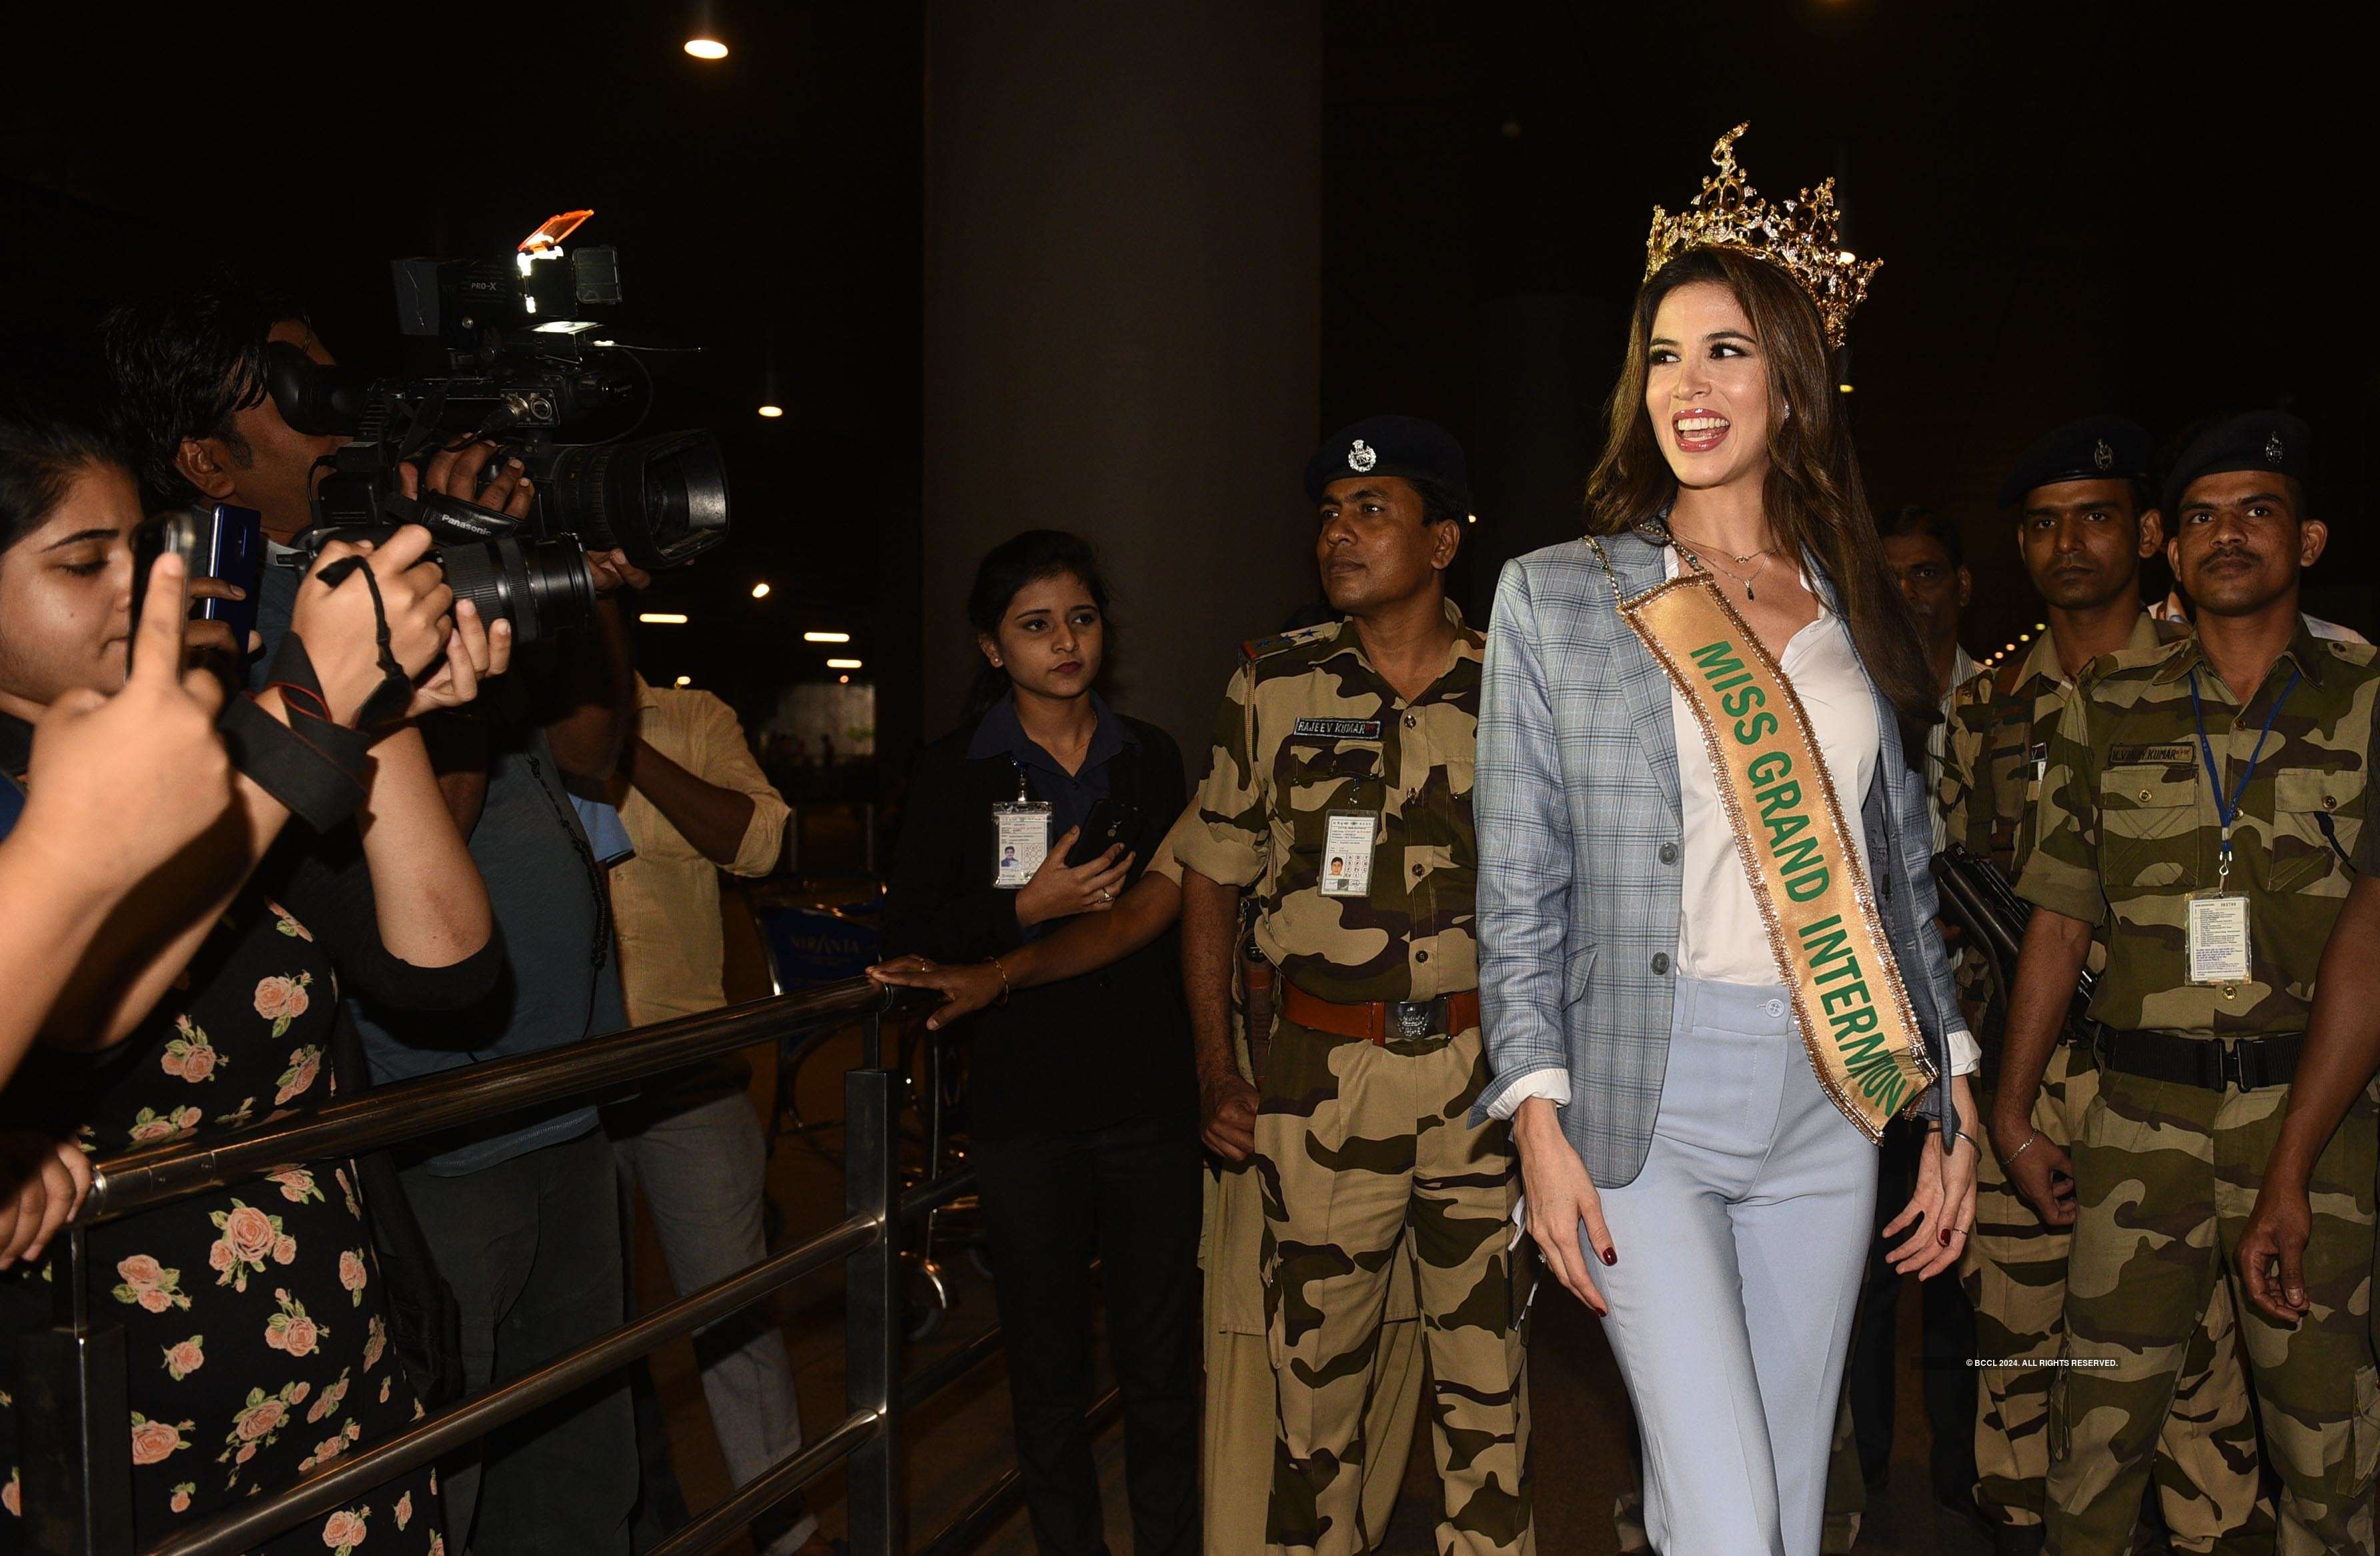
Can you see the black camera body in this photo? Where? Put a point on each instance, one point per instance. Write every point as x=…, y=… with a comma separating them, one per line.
x=520, y=368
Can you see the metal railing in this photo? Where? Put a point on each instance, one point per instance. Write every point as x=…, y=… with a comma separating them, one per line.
x=76, y=1456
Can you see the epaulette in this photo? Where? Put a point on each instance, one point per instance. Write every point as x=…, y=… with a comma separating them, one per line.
x=2169, y=630
x=1265, y=648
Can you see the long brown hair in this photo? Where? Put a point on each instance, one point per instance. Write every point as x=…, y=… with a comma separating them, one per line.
x=1813, y=495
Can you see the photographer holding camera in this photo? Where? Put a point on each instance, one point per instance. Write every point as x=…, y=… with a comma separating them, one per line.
x=523, y=1224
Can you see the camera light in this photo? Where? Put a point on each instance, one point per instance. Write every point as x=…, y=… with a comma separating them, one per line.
x=662, y=618
x=760, y=592
x=773, y=412
x=683, y=681
x=843, y=664
x=706, y=48
x=826, y=636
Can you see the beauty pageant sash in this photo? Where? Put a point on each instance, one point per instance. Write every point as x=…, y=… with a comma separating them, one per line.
x=1814, y=897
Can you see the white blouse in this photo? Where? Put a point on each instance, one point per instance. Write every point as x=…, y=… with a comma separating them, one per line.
x=1721, y=936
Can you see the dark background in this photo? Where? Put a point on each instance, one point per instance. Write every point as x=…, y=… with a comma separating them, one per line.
x=2080, y=208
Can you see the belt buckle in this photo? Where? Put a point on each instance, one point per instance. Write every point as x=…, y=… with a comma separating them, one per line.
x=1409, y=1019
x=2233, y=1074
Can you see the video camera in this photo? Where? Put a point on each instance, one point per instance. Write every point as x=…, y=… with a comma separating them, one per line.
x=522, y=365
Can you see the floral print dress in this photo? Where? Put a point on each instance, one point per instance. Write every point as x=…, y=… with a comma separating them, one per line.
x=254, y=1332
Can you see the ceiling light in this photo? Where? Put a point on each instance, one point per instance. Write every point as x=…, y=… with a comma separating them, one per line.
x=2025, y=637
x=706, y=48
x=843, y=664
x=842, y=680
x=773, y=412
x=760, y=592
x=662, y=618
x=826, y=636
x=2041, y=626
x=1843, y=388
x=684, y=681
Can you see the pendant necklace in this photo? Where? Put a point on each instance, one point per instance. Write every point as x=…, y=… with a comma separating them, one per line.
x=1742, y=580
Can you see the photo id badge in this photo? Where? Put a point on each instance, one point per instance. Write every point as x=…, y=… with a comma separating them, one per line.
x=1347, y=853
x=1020, y=840
x=2219, y=938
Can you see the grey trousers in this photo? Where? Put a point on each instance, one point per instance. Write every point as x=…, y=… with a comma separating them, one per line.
x=701, y=1173
x=1740, y=1245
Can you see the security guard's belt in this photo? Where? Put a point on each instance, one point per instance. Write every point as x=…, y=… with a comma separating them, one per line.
x=1382, y=1021
x=2210, y=1064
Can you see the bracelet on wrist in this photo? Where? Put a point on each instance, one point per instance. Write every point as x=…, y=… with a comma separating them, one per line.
x=1002, y=968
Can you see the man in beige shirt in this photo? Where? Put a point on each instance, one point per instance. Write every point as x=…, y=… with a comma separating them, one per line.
x=694, y=803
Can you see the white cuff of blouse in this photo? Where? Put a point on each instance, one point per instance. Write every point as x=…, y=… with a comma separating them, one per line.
x=1966, y=1058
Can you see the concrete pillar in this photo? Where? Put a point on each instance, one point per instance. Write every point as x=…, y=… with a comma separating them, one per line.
x=1122, y=321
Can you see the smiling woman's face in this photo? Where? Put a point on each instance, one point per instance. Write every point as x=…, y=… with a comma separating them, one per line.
x=1707, y=387
x=65, y=595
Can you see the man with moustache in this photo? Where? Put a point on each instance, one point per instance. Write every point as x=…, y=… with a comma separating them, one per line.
x=1354, y=741
x=2086, y=519
x=2201, y=802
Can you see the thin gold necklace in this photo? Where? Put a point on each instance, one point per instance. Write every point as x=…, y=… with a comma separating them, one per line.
x=1744, y=580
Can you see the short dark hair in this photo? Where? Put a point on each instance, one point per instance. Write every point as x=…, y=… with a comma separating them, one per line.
x=42, y=448
x=1913, y=519
x=1441, y=503
x=182, y=364
x=1022, y=559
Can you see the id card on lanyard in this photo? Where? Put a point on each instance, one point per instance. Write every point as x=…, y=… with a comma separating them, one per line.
x=2219, y=938
x=1347, y=853
x=1020, y=833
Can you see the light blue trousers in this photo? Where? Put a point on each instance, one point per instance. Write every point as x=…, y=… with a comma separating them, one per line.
x=1740, y=1245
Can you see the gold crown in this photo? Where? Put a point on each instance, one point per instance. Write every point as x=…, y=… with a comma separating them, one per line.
x=1797, y=237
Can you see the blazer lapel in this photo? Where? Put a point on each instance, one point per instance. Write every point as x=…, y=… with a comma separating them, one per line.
x=1638, y=561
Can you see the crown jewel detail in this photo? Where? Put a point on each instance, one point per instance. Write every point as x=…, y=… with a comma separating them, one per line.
x=1799, y=237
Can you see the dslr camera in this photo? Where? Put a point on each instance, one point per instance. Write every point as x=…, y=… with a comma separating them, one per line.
x=522, y=366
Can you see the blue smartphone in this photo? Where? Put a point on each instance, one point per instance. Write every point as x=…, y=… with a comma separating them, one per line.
x=216, y=540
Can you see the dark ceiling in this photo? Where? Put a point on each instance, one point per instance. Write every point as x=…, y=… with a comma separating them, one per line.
x=2080, y=208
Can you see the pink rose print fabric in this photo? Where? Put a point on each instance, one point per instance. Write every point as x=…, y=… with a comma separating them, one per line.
x=252, y=1316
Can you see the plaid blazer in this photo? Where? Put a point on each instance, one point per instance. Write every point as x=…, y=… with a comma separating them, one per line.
x=1579, y=853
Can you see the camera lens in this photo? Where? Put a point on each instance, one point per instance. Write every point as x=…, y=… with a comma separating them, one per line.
x=662, y=499
x=544, y=588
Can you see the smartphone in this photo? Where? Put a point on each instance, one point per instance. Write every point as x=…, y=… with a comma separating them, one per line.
x=1111, y=822
x=217, y=540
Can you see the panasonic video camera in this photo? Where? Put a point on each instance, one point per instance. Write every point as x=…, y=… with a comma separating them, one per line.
x=524, y=365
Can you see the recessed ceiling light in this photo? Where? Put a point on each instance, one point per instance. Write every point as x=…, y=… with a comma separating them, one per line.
x=662, y=618
x=706, y=48
x=760, y=592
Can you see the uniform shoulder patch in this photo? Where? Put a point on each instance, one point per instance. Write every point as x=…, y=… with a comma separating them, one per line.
x=1265, y=648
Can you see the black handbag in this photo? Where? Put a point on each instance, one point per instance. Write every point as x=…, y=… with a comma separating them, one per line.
x=425, y=1323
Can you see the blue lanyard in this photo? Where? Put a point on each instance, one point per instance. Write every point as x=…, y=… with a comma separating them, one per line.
x=2226, y=809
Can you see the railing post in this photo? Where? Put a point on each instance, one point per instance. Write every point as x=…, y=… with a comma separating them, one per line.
x=871, y=1335
x=74, y=1421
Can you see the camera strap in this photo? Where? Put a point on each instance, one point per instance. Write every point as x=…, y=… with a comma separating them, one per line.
x=394, y=693
x=312, y=764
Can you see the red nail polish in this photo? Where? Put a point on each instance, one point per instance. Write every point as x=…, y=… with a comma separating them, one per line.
x=1611, y=1256
x=1945, y=1236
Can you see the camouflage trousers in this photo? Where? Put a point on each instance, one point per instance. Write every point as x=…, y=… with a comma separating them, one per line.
x=1362, y=1152
x=1236, y=1448
x=2165, y=1175
x=2207, y=1462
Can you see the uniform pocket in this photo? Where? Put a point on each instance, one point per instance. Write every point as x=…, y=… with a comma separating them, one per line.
x=2148, y=826
x=2313, y=811
x=1332, y=775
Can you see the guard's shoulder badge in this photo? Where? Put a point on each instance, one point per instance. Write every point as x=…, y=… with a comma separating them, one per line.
x=1265, y=648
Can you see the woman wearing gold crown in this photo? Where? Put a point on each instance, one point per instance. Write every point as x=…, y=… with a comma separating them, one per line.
x=1707, y=955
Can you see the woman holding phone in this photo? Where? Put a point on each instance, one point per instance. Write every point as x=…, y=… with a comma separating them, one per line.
x=1043, y=806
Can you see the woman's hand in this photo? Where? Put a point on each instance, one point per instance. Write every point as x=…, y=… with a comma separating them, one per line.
x=120, y=784
x=1940, y=1216
x=1057, y=892
x=965, y=990
x=1561, y=1195
x=42, y=1186
x=342, y=630
x=475, y=653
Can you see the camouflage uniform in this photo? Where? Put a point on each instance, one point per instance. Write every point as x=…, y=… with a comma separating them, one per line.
x=2015, y=1268
x=2167, y=1172
x=1363, y=1152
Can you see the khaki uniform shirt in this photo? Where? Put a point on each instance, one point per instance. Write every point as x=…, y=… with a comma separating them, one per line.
x=665, y=901
x=2127, y=829
x=1308, y=727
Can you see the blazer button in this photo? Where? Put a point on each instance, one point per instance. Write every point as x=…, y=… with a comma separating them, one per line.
x=1660, y=961
x=1669, y=853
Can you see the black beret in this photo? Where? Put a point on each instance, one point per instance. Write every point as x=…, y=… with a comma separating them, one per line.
x=2095, y=448
x=2262, y=439
x=1390, y=446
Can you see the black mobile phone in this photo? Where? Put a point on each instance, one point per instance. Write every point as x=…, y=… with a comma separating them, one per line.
x=217, y=540
x=1111, y=822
